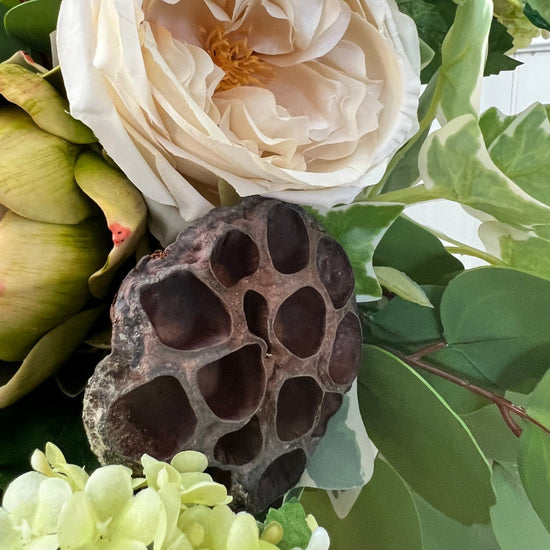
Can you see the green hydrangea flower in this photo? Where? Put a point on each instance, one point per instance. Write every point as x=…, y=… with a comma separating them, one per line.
x=510, y=14
x=175, y=506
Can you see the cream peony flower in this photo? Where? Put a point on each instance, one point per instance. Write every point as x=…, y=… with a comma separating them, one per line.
x=300, y=100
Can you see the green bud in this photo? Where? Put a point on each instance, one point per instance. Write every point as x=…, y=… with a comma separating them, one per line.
x=44, y=270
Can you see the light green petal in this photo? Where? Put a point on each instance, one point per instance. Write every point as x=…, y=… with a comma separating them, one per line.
x=189, y=479
x=208, y=493
x=52, y=495
x=243, y=533
x=217, y=526
x=110, y=490
x=44, y=270
x=49, y=110
x=139, y=521
x=124, y=210
x=152, y=468
x=48, y=542
x=37, y=172
x=189, y=461
x=9, y=536
x=77, y=523
x=21, y=496
x=167, y=531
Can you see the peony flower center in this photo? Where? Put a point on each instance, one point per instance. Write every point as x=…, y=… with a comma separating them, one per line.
x=242, y=67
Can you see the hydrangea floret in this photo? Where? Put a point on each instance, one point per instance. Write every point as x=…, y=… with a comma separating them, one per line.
x=176, y=506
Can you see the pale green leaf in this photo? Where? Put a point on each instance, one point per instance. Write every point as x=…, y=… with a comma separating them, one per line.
x=534, y=469
x=400, y=284
x=515, y=523
x=383, y=518
x=440, y=532
x=359, y=228
x=421, y=436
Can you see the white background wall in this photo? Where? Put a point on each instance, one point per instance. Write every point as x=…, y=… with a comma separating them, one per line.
x=511, y=92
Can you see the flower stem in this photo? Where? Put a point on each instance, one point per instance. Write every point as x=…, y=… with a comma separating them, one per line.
x=506, y=407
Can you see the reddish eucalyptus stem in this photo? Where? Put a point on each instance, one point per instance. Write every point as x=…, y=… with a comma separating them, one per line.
x=506, y=407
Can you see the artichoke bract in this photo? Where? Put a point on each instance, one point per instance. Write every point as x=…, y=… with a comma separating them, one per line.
x=67, y=220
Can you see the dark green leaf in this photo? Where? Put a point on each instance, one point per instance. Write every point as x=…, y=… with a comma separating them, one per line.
x=44, y=415
x=410, y=248
x=442, y=533
x=515, y=523
x=534, y=469
x=423, y=439
x=498, y=319
x=499, y=43
x=492, y=434
x=32, y=22
x=8, y=45
x=538, y=12
x=433, y=19
x=404, y=325
x=383, y=518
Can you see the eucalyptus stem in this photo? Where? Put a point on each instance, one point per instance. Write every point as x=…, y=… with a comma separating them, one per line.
x=505, y=406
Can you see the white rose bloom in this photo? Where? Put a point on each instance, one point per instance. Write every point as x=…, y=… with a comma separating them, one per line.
x=301, y=100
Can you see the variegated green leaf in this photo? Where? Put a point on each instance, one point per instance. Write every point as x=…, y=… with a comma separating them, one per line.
x=464, y=51
x=455, y=165
x=359, y=228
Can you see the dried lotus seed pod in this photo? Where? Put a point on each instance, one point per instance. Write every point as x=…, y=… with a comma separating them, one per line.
x=239, y=341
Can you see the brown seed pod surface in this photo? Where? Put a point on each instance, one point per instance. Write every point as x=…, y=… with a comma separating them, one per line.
x=239, y=341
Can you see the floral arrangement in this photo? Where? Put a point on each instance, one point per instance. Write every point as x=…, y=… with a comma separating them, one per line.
x=203, y=204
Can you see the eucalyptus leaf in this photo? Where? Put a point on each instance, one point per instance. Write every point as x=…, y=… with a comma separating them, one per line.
x=498, y=319
x=495, y=438
x=534, y=469
x=440, y=532
x=359, y=228
x=383, y=518
x=409, y=247
x=401, y=285
x=423, y=439
x=515, y=523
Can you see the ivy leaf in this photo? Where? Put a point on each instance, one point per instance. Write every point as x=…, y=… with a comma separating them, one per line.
x=498, y=319
x=420, y=436
x=384, y=516
x=499, y=43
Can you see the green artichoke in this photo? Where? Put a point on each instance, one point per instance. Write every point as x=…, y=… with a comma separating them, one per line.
x=67, y=220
